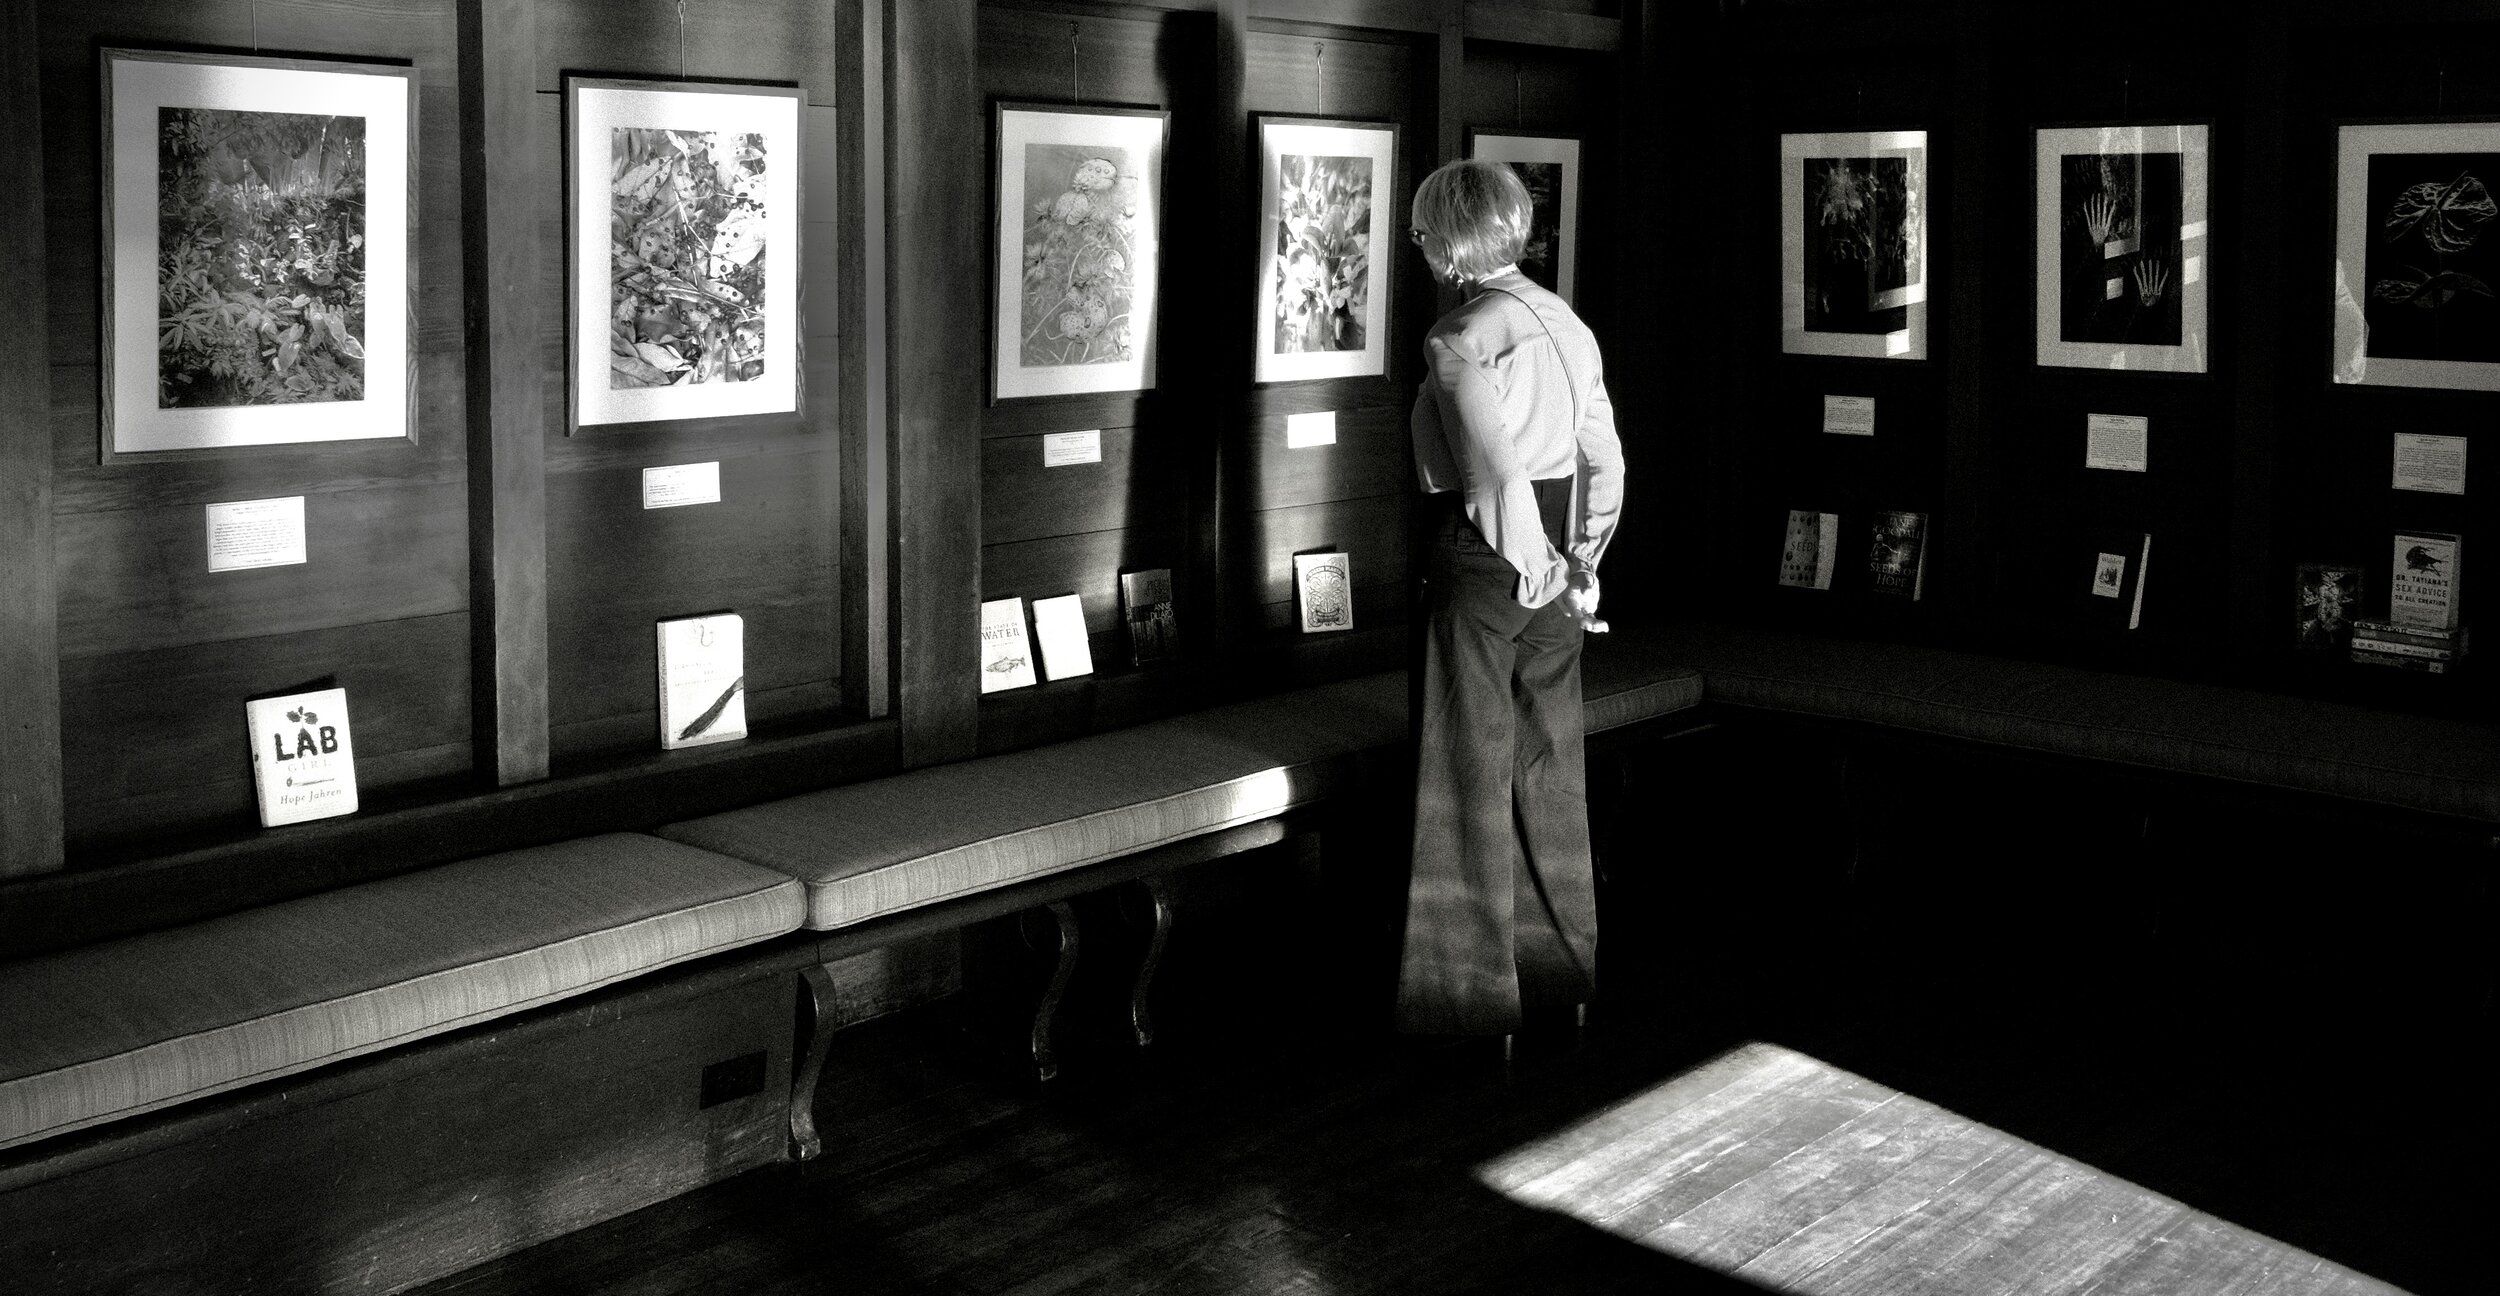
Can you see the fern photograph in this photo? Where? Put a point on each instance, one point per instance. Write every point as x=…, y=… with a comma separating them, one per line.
x=261, y=234
x=686, y=257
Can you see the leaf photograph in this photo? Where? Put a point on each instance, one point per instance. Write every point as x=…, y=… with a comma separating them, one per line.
x=260, y=258
x=1323, y=252
x=1324, y=249
x=687, y=257
x=256, y=219
x=2434, y=261
x=1548, y=166
x=682, y=256
x=1853, y=231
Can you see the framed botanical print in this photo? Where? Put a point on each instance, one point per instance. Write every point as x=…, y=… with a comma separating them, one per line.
x=2417, y=261
x=1549, y=165
x=2121, y=243
x=1079, y=214
x=1324, y=247
x=258, y=284
x=1853, y=243
x=682, y=257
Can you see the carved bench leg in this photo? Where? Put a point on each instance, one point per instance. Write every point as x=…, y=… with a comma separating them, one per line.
x=1140, y=1012
x=815, y=1041
x=1045, y=1060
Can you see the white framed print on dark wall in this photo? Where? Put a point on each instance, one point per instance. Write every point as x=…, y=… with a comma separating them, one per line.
x=2122, y=242
x=682, y=250
x=1325, y=247
x=1080, y=215
x=2417, y=261
x=258, y=284
x=1549, y=165
x=1853, y=244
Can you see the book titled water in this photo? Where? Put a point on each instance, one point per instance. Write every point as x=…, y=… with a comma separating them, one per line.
x=1323, y=588
x=1897, y=564
x=1059, y=623
x=1811, y=550
x=702, y=680
x=1146, y=605
x=1006, y=650
x=303, y=761
x=2422, y=583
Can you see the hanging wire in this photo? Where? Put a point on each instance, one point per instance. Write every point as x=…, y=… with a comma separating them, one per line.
x=256, y=26
x=2126, y=94
x=1075, y=30
x=1517, y=117
x=681, y=40
x=1319, y=61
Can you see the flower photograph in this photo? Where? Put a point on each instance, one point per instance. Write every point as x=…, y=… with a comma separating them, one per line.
x=1853, y=244
x=2433, y=263
x=1079, y=209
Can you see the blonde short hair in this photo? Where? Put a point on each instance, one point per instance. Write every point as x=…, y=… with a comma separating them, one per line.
x=1476, y=212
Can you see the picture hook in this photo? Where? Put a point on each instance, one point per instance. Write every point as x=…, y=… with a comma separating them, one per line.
x=681, y=40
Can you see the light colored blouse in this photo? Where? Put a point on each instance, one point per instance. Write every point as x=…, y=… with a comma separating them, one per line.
x=1516, y=395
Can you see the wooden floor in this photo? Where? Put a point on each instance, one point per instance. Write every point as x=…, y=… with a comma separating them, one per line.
x=1736, y=1119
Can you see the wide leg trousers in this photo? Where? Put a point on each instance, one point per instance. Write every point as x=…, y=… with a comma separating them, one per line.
x=1501, y=906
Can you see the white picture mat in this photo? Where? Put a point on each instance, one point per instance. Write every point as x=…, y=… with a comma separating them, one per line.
x=2050, y=146
x=142, y=86
x=1144, y=135
x=597, y=112
x=2353, y=147
x=1493, y=146
x=1906, y=343
x=1378, y=143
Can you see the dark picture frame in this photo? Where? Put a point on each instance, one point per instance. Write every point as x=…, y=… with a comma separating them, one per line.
x=674, y=192
x=1326, y=269
x=1550, y=166
x=259, y=235
x=1077, y=222
x=1854, y=241
x=2123, y=246
x=2417, y=254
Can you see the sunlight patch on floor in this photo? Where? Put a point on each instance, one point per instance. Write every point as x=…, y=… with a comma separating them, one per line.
x=1794, y=1175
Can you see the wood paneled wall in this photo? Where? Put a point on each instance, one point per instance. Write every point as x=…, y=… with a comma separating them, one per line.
x=156, y=654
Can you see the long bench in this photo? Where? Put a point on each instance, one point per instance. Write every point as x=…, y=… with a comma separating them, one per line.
x=147, y=1023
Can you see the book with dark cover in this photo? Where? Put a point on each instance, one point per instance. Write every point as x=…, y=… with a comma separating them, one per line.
x=2327, y=595
x=1146, y=604
x=1897, y=565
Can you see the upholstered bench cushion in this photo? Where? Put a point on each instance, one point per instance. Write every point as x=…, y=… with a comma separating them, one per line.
x=2422, y=763
x=870, y=849
x=1625, y=679
x=111, y=1030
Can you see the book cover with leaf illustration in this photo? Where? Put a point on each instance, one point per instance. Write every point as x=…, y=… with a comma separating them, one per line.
x=1006, y=649
x=702, y=680
x=303, y=764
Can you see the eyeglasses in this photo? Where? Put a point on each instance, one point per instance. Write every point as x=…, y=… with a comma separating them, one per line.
x=1416, y=237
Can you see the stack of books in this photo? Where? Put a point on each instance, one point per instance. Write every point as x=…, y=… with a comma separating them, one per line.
x=2407, y=647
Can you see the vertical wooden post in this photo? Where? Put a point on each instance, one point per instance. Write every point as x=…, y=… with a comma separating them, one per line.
x=1229, y=612
x=30, y=720
x=935, y=215
x=2265, y=301
x=1967, y=425
x=501, y=171
x=867, y=590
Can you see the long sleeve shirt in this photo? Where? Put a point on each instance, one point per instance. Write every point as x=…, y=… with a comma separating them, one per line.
x=1516, y=395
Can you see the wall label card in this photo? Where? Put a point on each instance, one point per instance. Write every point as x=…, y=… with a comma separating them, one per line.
x=681, y=484
x=1849, y=415
x=256, y=533
x=1302, y=431
x=2430, y=463
x=1065, y=449
x=2115, y=441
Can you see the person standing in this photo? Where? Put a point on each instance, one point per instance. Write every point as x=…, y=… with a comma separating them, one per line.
x=1515, y=447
